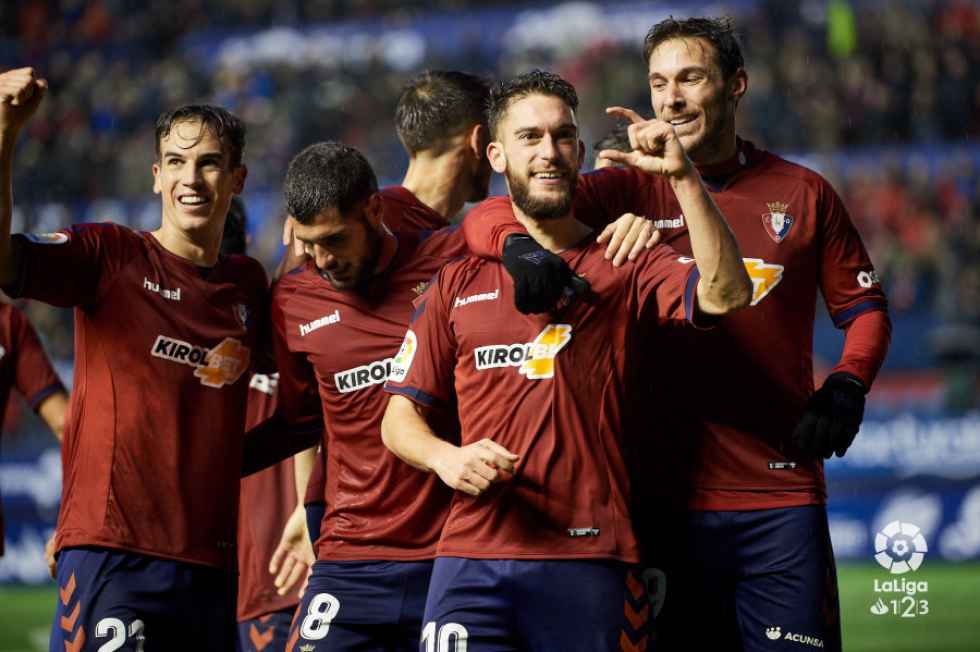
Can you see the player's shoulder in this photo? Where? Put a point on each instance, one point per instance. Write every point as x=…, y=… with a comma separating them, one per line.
x=289, y=283
x=791, y=172
x=403, y=211
x=445, y=243
x=459, y=272
x=246, y=268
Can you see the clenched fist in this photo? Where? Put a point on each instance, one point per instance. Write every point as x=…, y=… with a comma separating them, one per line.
x=20, y=94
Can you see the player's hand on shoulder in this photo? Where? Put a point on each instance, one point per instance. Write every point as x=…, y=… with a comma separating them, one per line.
x=832, y=417
x=474, y=467
x=628, y=237
x=540, y=277
x=20, y=94
x=656, y=146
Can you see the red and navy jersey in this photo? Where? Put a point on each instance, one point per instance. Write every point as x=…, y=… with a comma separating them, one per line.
x=333, y=350
x=403, y=213
x=731, y=427
x=23, y=366
x=551, y=388
x=152, y=450
x=267, y=501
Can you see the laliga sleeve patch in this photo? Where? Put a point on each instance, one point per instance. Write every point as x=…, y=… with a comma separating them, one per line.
x=403, y=361
x=47, y=238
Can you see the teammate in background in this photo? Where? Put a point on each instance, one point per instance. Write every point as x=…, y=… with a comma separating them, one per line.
x=24, y=366
x=535, y=553
x=377, y=539
x=617, y=139
x=441, y=122
x=164, y=336
x=268, y=500
x=733, y=505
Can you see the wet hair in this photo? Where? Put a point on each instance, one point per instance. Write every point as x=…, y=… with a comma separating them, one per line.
x=536, y=82
x=719, y=32
x=327, y=175
x=438, y=104
x=226, y=127
x=233, y=239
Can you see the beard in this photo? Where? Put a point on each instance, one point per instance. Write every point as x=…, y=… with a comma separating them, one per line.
x=360, y=281
x=542, y=208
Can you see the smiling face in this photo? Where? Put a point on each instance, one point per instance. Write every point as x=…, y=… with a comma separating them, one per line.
x=539, y=152
x=688, y=90
x=344, y=247
x=195, y=180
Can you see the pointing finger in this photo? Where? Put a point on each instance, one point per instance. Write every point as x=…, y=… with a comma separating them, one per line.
x=627, y=114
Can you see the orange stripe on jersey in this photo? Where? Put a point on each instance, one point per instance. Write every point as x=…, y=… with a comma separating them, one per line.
x=626, y=645
x=635, y=585
x=291, y=644
x=68, y=622
x=76, y=645
x=67, y=590
x=260, y=640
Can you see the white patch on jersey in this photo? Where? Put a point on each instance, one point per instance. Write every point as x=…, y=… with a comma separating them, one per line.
x=402, y=362
x=372, y=373
x=474, y=298
x=47, y=238
x=868, y=278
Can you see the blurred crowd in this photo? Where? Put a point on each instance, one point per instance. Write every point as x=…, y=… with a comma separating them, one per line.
x=827, y=77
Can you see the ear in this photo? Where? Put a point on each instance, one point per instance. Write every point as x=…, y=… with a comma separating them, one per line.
x=498, y=160
x=738, y=85
x=240, y=173
x=374, y=210
x=156, y=179
x=477, y=140
x=581, y=153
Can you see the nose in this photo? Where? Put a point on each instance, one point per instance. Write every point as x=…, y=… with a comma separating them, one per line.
x=324, y=259
x=190, y=175
x=674, y=96
x=547, y=148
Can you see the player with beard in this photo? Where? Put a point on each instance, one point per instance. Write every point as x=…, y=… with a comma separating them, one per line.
x=734, y=505
x=164, y=334
x=337, y=323
x=441, y=122
x=537, y=550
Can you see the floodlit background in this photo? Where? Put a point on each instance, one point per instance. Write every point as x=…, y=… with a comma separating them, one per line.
x=882, y=97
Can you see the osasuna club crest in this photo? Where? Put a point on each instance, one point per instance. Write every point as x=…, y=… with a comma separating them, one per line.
x=776, y=222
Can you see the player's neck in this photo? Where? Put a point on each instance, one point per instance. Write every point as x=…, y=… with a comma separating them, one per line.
x=389, y=247
x=718, y=153
x=555, y=234
x=438, y=182
x=179, y=243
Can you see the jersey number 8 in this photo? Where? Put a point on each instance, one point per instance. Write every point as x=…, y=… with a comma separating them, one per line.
x=321, y=612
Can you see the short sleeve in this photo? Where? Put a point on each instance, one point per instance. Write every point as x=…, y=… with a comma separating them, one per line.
x=487, y=226
x=665, y=286
x=70, y=267
x=848, y=280
x=299, y=398
x=34, y=377
x=602, y=196
x=423, y=369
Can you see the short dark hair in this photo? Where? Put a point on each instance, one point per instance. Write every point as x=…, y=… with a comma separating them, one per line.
x=233, y=239
x=225, y=125
x=503, y=93
x=618, y=139
x=719, y=32
x=327, y=175
x=437, y=104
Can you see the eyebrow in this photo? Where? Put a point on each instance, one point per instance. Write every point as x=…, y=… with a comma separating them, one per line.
x=562, y=127
x=177, y=154
x=680, y=72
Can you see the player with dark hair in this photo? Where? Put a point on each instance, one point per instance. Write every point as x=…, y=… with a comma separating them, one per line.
x=441, y=120
x=164, y=333
x=617, y=139
x=536, y=552
x=377, y=537
x=733, y=504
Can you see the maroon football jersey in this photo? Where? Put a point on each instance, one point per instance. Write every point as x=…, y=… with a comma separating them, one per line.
x=734, y=395
x=268, y=499
x=333, y=349
x=153, y=447
x=23, y=366
x=550, y=388
x=403, y=213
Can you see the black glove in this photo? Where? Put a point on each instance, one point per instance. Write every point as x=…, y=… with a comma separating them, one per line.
x=832, y=417
x=540, y=277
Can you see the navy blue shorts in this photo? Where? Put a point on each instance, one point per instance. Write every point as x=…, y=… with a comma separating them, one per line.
x=506, y=605
x=369, y=606
x=314, y=516
x=126, y=601
x=269, y=632
x=751, y=580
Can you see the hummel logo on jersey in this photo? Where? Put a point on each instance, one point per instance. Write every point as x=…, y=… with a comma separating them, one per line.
x=265, y=383
x=217, y=367
x=473, y=298
x=373, y=373
x=764, y=277
x=668, y=223
x=326, y=320
x=173, y=295
x=583, y=531
x=536, y=359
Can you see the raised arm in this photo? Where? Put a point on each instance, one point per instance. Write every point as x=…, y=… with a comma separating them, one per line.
x=724, y=285
x=20, y=95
